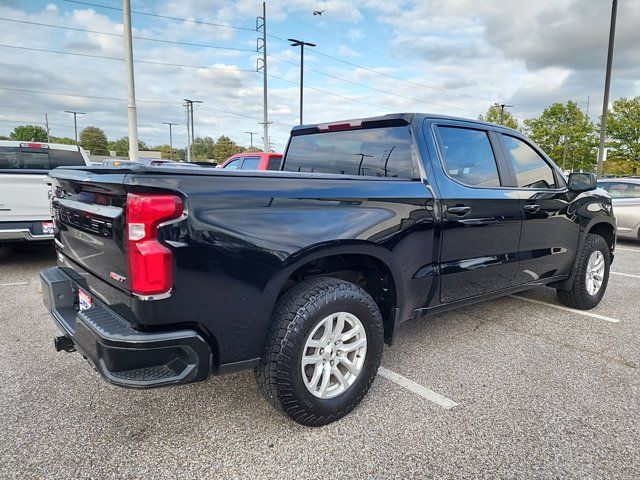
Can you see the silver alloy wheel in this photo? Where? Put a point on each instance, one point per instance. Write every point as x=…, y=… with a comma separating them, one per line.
x=595, y=272
x=334, y=354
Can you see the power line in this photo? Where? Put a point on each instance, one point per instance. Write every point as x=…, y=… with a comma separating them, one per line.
x=374, y=88
x=137, y=37
x=97, y=97
x=388, y=75
x=104, y=57
x=166, y=17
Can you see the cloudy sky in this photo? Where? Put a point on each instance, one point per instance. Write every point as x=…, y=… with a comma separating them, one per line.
x=372, y=57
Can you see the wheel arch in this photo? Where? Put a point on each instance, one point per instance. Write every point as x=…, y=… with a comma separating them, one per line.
x=368, y=265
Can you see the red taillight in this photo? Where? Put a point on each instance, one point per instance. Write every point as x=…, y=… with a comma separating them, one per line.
x=150, y=262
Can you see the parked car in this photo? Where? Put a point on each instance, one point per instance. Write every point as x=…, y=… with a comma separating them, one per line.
x=253, y=161
x=165, y=277
x=24, y=205
x=625, y=193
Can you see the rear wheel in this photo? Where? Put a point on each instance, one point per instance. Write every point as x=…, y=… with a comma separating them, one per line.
x=592, y=275
x=323, y=351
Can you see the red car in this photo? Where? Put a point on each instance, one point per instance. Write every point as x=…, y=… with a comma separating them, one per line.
x=253, y=161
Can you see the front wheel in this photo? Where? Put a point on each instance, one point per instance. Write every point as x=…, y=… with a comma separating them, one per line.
x=323, y=351
x=592, y=275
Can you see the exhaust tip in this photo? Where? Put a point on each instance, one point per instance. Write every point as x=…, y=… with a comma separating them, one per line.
x=64, y=343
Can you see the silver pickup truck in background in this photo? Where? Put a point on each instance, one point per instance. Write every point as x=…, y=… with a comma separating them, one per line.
x=24, y=203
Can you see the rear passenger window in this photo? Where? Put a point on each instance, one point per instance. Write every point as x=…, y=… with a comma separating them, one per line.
x=623, y=190
x=468, y=156
x=532, y=171
x=251, y=163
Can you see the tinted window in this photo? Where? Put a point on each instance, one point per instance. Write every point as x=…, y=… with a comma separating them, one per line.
x=377, y=152
x=468, y=156
x=623, y=190
x=15, y=158
x=251, y=163
x=10, y=158
x=234, y=164
x=65, y=158
x=532, y=171
x=274, y=163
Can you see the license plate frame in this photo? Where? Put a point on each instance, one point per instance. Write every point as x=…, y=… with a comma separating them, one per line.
x=85, y=302
x=47, y=228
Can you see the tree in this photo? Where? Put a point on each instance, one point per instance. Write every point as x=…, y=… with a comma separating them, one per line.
x=565, y=133
x=203, y=148
x=495, y=115
x=178, y=153
x=224, y=148
x=121, y=146
x=29, y=133
x=623, y=131
x=63, y=140
x=94, y=140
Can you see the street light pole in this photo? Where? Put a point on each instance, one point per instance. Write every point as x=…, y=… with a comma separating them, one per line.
x=252, y=134
x=607, y=85
x=502, y=107
x=131, y=90
x=190, y=113
x=170, y=138
x=75, y=122
x=301, y=44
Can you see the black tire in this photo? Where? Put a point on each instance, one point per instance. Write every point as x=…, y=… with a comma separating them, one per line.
x=578, y=296
x=297, y=313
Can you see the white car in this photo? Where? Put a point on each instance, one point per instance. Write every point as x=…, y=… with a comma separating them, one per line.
x=24, y=201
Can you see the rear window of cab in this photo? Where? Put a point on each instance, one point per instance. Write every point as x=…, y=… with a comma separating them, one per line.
x=20, y=158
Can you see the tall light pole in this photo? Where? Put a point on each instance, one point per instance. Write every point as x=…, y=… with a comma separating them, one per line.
x=75, y=122
x=170, y=138
x=301, y=44
x=502, y=107
x=261, y=24
x=131, y=90
x=252, y=134
x=189, y=104
x=607, y=85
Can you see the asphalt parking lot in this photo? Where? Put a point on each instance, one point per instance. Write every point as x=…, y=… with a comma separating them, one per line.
x=509, y=388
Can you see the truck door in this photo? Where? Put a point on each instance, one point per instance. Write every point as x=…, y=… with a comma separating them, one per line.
x=481, y=220
x=549, y=235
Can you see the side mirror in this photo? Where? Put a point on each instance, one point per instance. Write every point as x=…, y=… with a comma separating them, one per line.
x=582, y=182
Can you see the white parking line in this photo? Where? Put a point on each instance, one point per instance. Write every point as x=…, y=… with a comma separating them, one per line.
x=628, y=249
x=567, y=309
x=625, y=274
x=424, y=392
x=13, y=284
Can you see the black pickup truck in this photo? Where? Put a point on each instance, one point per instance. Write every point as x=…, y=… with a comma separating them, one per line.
x=168, y=276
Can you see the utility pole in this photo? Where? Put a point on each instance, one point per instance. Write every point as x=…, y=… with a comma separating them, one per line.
x=186, y=107
x=170, y=138
x=75, y=122
x=607, y=85
x=301, y=44
x=189, y=104
x=261, y=24
x=131, y=89
x=46, y=123
x=252, y=134
x=502, y=107
x=588, y=102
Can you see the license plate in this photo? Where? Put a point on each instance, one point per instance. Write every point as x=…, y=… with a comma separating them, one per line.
x=47, y=228
x=84, y=300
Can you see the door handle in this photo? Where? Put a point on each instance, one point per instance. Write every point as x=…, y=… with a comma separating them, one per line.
x=532, y=208
x=459, y=210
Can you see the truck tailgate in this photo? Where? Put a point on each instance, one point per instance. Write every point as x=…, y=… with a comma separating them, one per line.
x=23, y=197
x=88, y=210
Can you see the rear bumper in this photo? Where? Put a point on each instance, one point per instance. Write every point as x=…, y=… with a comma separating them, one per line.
x=124, y=356
x=22, y=231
